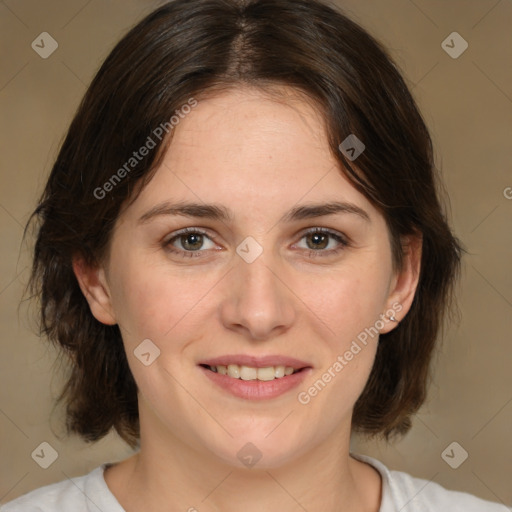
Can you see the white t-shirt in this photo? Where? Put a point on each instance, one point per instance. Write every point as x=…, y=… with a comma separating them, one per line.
x=400, y=493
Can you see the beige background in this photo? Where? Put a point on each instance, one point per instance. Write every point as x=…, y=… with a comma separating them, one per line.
x=467, y=103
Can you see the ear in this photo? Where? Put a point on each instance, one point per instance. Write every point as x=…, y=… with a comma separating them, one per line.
x=404, y=283
x=94, y=286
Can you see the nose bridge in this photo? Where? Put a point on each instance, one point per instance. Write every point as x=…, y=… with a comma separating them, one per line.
x=259, y=303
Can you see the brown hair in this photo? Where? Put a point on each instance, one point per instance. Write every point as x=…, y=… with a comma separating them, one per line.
x=189, y=47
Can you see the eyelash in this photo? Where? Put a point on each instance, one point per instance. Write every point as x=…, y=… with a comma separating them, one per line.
x=342, y=240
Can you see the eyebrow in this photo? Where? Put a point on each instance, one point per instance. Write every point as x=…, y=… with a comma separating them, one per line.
x=221, y=213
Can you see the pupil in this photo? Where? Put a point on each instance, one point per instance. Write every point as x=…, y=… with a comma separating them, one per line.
x=196, y=241
x=319, y=237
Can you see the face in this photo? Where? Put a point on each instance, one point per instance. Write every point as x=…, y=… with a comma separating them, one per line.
x=258, y=279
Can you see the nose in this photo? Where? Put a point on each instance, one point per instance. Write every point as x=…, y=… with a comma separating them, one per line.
x=258, y=303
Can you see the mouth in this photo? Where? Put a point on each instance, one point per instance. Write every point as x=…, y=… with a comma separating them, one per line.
x=255, y=378
x=243, y=372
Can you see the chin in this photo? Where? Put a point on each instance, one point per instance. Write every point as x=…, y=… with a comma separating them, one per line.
x=252, y=450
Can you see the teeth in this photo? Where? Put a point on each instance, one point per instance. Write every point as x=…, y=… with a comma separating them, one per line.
x=268, y=373
x=236, y=371
x=280, y=371
x=248, y=373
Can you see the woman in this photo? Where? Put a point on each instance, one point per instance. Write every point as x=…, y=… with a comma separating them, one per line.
x=242, y=250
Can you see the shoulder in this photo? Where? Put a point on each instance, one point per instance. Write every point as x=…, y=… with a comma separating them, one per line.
x=79, y=494
x=65, y=495
x=432, y=497
x=402, y=491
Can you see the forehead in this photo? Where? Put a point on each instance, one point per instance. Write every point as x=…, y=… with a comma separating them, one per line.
x=252, y=125
x=253, y=150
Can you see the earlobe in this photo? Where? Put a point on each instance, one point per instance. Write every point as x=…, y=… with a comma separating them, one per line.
x=94, y=286
x=404, y=284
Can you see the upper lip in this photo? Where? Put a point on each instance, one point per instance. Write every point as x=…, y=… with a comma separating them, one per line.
x=255, y=361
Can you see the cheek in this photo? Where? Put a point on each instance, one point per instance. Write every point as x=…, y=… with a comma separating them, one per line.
x=349, y=306
x=350, y=302
x=157, y=301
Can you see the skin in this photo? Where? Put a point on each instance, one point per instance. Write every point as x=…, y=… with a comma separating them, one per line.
x=258, y=155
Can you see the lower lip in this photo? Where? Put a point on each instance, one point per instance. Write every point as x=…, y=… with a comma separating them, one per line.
x=257, y=389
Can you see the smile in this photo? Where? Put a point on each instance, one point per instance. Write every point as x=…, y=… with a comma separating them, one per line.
x=255, y=377
x=243, y=372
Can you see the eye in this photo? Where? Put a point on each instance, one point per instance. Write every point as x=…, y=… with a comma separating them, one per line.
x=323, y=242
x=189, y=242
